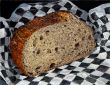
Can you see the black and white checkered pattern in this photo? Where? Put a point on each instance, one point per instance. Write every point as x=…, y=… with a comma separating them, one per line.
x=93, y=70
x=101, y=22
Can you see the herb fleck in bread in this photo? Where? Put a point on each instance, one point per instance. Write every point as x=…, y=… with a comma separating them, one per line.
x=50, y=41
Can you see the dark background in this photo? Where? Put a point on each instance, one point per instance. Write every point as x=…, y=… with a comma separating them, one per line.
x=8, y=6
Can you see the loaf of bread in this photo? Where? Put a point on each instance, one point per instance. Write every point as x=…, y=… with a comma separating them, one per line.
x=50, y=41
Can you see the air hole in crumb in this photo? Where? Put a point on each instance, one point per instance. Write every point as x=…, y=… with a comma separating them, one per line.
x=65, y=19
x=83, y=38
x=38, y=68
x=38, y=51
x=47, y=32
x=79, y=30
x=41, y=37
x=77, y=45
x=56, y=49
x=89, y=37
x=34, y=42
x=52, y=65
x=30, y=73
x=48, y=51
x=61, y=16
x=26, y=66
x=37, y=71
x=75, y=34
x=34, y=51
x=68, y=28
x=75, y=48
x=72, y=51
x=85, y=31
x=64, y=25
x=71, y=45
x=63, y=47
x=78, y=54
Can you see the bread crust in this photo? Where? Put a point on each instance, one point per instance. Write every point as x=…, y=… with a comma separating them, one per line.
x=23, y=33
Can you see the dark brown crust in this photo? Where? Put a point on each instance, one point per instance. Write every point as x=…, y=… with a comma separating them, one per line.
x=21, y=35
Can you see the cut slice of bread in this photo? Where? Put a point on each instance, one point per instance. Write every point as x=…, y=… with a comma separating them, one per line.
x=51, y=41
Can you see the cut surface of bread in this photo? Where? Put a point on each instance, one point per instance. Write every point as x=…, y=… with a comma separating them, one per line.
x=51, y=41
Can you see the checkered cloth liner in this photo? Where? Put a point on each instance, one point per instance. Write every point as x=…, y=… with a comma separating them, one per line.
x=93, y=70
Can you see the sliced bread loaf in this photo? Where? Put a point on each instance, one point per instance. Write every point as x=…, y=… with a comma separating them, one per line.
x=51, y=41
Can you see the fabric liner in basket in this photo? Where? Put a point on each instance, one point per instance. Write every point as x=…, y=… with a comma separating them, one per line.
x=94, y=69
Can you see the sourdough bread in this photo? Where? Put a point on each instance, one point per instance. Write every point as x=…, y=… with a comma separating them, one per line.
x=51, y=41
